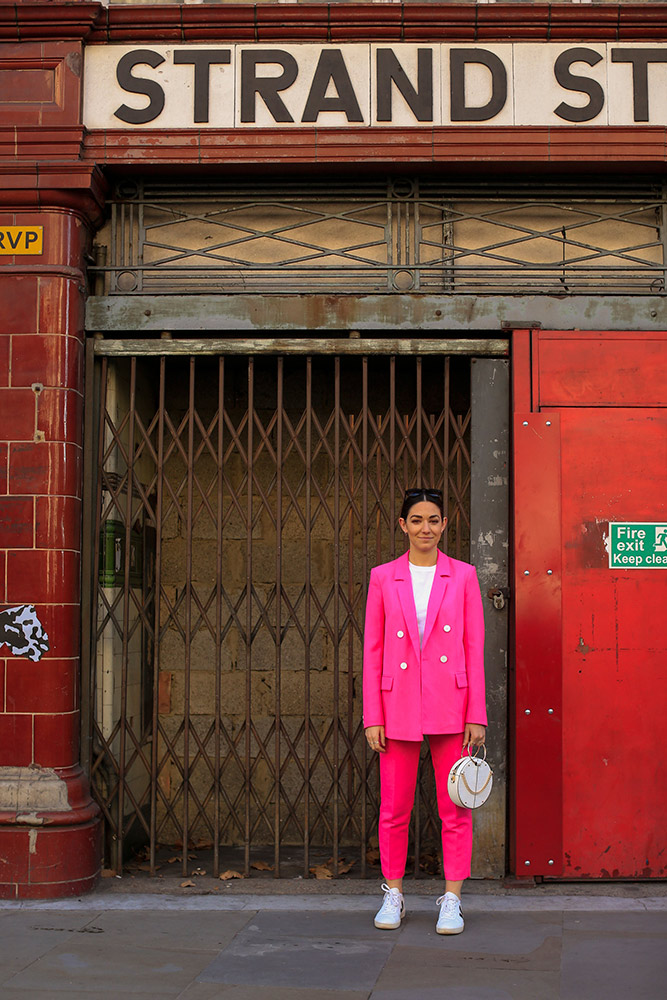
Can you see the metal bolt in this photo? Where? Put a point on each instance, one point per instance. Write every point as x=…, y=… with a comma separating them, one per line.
x=550, y=572
x=525, y=423
x=551, y=711
x=550, y=862
x=527, y=712
x=548, y=423
x=526, y=862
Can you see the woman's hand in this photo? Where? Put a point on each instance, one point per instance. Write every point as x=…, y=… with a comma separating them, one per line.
x=375, y=738
x=473, y=734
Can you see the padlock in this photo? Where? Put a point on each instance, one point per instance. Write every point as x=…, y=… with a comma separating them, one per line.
x=498, y=595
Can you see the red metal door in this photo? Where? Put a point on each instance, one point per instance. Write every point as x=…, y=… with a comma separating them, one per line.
x=591, y=646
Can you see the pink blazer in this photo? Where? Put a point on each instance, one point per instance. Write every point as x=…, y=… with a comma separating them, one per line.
x=437, y=688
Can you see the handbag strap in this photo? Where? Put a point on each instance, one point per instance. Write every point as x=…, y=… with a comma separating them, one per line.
x=477, y=791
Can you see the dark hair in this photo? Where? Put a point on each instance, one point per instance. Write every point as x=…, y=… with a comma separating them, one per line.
x=419, y=494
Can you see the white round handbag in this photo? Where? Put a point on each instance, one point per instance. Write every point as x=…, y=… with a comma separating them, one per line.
x=470, y=780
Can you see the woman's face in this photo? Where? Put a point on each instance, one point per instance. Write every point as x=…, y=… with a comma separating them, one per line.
x=424, y=526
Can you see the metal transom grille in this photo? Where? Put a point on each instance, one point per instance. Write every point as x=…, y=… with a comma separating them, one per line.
x=407, y=235
x=242, y=502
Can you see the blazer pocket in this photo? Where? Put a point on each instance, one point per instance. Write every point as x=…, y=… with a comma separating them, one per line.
x=386, y=684
x=462, y=680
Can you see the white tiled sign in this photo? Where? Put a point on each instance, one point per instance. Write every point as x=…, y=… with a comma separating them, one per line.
x=328, y=86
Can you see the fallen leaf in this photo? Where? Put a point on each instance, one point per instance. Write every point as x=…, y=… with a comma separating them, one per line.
x=203, y=845
x=261, y=866
x=198, y=871
x=372, y=856
x=176, y=857
x=321, y=871
x=108, y=873
x=343, y=866
x=188, y=884
x=142, y=868
x=192, y=857
x=231, y=874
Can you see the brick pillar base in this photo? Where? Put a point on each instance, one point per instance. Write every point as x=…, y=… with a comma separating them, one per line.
x=50, y=838
x=49, y=826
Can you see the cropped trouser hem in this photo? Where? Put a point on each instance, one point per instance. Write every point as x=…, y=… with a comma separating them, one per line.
x=398, y=779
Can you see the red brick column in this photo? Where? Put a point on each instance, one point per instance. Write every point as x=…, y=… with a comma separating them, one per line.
x=49, y=826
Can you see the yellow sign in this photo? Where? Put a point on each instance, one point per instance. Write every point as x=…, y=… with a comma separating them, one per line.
x=21, y=240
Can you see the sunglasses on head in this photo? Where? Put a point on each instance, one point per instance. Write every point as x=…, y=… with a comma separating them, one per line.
x=437, y=494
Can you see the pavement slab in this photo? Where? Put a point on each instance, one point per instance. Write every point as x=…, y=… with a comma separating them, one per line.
x=24, y=941
x=303, y=950
x=211, y=991
x=315, y=947
x=502, y=935
x=600, y=965
x=451, y=992
x=69, y=969
x=45, y=993
x=622, y=923
x=409, y=979
x=207, y=932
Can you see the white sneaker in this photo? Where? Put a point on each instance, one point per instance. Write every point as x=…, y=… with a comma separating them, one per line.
x=392, y=911
x=450, y=920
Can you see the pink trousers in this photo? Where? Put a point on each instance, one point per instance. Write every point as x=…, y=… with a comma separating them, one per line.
x=398, y=779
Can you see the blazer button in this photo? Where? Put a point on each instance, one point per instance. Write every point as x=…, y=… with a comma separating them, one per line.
x=404, y=666
x=443, y=659
x=447, y=628
x=400, y=634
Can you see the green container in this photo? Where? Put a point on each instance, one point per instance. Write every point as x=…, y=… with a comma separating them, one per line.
x=112, y=556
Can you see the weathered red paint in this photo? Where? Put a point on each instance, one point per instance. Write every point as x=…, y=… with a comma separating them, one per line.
x=614, y=646
x=44, y=39
x=47, y=850
x=445, y=144
x=537, y=774
x=607, y=393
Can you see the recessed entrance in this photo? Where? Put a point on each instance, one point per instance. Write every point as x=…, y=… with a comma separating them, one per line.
x=241, y=502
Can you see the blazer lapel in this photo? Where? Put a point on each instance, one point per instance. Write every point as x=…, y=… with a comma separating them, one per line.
x=404, y=588
x=442, y=573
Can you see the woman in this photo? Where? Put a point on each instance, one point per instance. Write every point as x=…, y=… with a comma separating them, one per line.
x=423, y=676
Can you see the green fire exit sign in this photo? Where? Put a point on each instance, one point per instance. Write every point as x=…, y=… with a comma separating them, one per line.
x=638, y=545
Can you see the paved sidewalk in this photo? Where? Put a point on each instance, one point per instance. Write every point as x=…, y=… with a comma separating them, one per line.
x=516, y=946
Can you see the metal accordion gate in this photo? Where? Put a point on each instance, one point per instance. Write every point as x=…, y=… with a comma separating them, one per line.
x=241, y=494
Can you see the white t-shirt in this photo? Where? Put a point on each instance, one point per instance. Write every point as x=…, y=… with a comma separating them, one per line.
x=422, y=581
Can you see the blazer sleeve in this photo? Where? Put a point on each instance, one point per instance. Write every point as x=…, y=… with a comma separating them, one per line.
x=473, y=644
x=373, y=654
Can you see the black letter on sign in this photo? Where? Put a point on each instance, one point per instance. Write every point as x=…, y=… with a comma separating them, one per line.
x=459, y=111
x=202, y=60
x=138, y=85
x=389, y=71
x=569, y=81
x=266, y=86
x=640, y=58
x=332, y=67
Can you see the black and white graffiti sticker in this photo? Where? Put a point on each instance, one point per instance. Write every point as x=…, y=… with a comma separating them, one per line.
x=22, y=631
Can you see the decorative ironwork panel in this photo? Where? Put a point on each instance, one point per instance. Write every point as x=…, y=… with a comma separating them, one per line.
x=407, y=235
x=241, y=504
